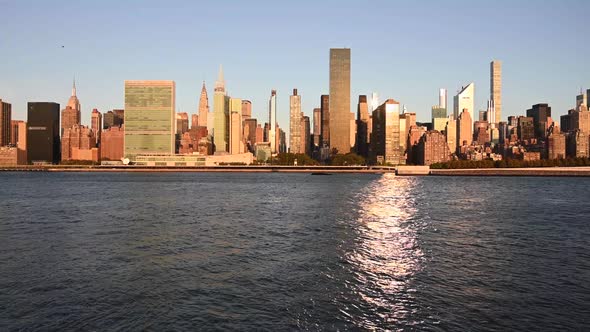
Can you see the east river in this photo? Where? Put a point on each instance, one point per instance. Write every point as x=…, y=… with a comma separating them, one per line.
x=276, y=252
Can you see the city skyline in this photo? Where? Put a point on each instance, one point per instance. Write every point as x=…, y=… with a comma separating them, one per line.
x=417, y=77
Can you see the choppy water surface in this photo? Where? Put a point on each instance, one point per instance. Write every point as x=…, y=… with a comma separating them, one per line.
x=237, y=251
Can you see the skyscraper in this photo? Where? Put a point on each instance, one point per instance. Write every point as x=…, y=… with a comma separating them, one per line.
x=556, y=145
x=76, y=143
x=235, y=132
x=325, y=110
x=5, y=123
x=432, y=148
x=96, y=124
x=272, y=120
x=464, y=128
x=317, y=126
x=581, y=99
x=221, y=114
x=340, y=99
x=496, y=89
x=491, y=114
x=540, y=114
x=71, y=115
x=295, y=125
x=451, y=133
x=362, y=126
x=442, y=98
x=385, y=140
x=194, y=121
x=203, y=107
x=149, y=117
x=305, y=136
x=439, y=118
x=181, y=123
x=108, y=120
x=112, y=143
x=465, y=100
x=14, y=130
x=43, y=133
x=246, y=109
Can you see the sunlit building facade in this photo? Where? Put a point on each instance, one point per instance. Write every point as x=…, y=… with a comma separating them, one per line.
x=149, y=117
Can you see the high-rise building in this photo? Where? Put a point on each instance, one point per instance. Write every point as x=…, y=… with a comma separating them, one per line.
x=96, y=124
x=582, y=99
x=340, y=99
x=464, y=128
x=465, y=100
x=221, y=114
x=281, y=140
x=112, y=143
x=556, y=146
x=43, y=133
x=439, y=118
x=76, y=143
x=246, y=109
x=490, y=116
x=5, y=123
x=250, y=127
x=442, y=99
x=451, y=133
x=71, y=115
x=305, y=136
x=325, y=110
x=108, y=120
x=119, y=119
x=317, y=126
x=259, y=133
x=496, y=89
x=352, y=137
x=203, y=107
x=482, y=116
x=362, y=126
x=235, y=131
x=194, y=121
x=295, y=126
x=181, y=123
x=272, y=120
x=385, y=140
x=432, y=148
x=481, y=132
x=149, y=117
x=15, y=126
x=579, y=120
x=526, y=128
x=578, y=144
x=540, y=114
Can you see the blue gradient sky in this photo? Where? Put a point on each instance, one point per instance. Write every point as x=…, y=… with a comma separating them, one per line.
x=404, y=50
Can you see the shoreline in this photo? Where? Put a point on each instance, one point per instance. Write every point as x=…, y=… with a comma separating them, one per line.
x=581, y=171
x=532, y=171
x=204, y=169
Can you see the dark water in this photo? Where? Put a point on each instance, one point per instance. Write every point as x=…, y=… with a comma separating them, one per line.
x=274, y=252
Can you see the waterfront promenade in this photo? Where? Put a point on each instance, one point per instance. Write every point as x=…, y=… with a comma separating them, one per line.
x=403, y=170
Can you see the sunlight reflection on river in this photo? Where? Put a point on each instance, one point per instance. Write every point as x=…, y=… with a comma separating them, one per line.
x=386, y=255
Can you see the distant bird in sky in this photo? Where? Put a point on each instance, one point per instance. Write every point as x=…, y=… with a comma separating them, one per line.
x=62, y=46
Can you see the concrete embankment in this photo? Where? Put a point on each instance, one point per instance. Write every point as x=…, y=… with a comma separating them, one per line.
x=255, y=169
x=537, y=171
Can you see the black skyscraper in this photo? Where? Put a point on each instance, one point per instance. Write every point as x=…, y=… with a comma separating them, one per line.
x=540, y=114
x=43, y=143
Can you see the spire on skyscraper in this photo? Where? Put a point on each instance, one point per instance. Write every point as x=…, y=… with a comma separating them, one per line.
x=220, y=83
x=203, y=106
x=73, y=102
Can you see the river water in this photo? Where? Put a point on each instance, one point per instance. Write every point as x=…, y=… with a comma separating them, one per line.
x=246, y=251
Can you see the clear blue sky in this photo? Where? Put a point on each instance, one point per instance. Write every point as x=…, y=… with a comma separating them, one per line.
x=404, y=50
